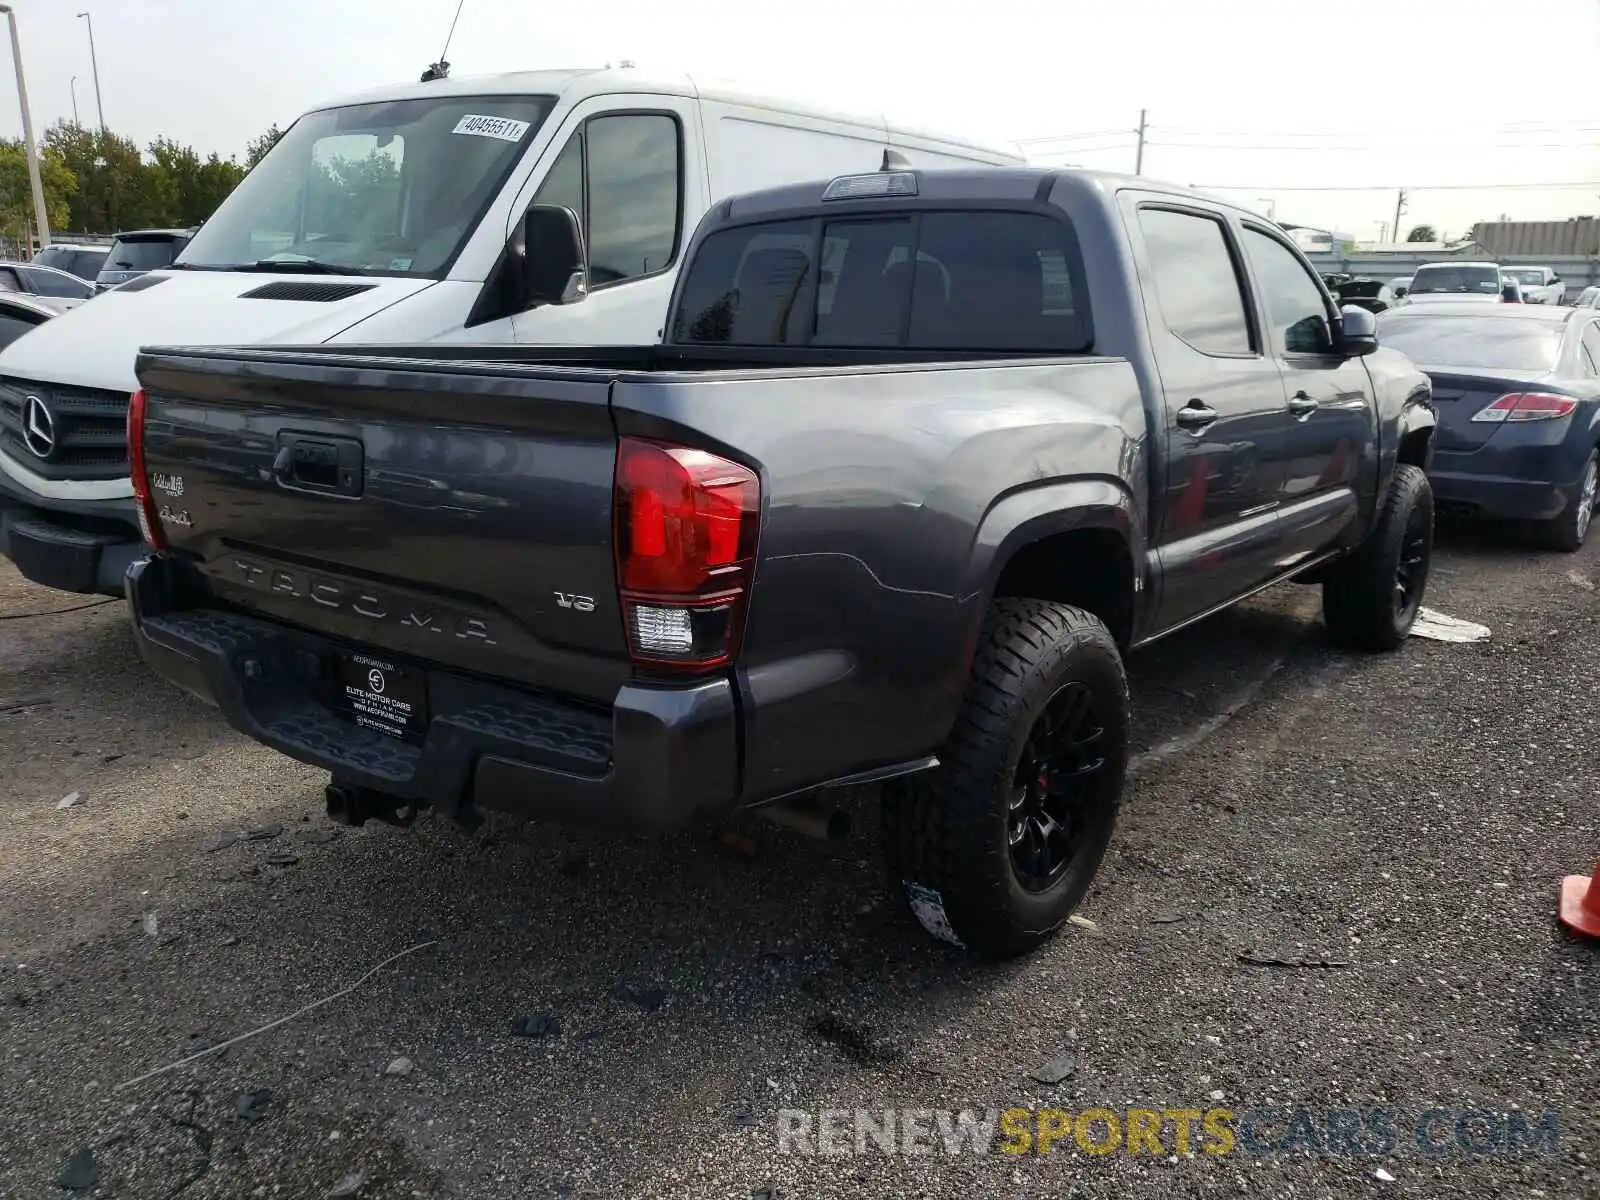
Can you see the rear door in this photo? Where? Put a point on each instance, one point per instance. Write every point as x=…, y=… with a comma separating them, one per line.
x=1320, y=463
x=1217, y=535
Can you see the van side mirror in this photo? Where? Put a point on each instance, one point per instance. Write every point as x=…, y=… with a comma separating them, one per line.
x=1358, y=332
x=555, y=266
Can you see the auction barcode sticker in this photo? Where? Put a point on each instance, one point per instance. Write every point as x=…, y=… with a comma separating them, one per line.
x=504, y=128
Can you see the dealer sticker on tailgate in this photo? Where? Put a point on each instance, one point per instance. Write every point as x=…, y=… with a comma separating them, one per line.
x=383, y=697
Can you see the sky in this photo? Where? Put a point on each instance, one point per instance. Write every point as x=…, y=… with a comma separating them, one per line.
x=1311, y=111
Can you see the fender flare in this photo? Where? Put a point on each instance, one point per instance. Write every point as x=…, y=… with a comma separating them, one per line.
x=1030, y=513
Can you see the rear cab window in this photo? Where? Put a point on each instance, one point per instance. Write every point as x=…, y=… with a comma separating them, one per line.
x=976, y=280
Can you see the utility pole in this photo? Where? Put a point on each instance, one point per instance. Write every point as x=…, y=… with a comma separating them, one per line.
x=95, y=64
x=75, y=120
x=41, y=215
x=1138, y=155
x=1399, y=207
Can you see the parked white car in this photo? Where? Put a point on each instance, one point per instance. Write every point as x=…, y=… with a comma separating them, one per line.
x=1589, y=298
x=1459, y=283
x=1540, y=285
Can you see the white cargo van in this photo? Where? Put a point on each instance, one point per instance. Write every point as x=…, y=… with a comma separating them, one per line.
x=402, y=216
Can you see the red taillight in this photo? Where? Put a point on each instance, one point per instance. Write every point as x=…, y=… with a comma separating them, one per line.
x=1527, y=406
x=144, y=502
x=686, y=523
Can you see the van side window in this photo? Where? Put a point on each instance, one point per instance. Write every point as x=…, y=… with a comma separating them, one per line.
x=635, y=195
x=943, y=281
x=622, y=175
x=1196, y=283
x=1295, y=307
x=564, y=184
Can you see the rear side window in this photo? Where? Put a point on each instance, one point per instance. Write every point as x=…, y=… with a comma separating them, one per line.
x=1196, y=282
x=934, y=281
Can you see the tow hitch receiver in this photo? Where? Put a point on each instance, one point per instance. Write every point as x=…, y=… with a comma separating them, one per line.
x=351, y=804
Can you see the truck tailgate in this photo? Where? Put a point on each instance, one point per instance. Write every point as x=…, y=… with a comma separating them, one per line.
x=458, y=512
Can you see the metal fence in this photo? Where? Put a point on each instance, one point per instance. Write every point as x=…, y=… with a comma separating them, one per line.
x=1579, y=271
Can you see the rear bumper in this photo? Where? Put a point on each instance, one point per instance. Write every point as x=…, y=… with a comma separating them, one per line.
x=659, y=756
x=1535, y=493
x=82, y=546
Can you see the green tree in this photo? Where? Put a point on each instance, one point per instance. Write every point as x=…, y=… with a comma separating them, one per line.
x=16, y=190
x=1422, y=233
x=256, y=148
x=117, y=189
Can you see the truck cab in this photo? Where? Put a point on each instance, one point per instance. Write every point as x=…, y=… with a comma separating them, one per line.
x=397, y=216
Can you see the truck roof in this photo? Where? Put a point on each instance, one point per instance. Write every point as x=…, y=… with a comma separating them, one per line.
x=973, y=184
x=580, y=83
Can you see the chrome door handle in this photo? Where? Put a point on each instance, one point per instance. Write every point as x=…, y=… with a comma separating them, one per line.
x=1195, y=416
x=1302, y=405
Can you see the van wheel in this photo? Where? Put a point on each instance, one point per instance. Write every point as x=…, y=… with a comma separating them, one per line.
x=1568, y=531
x=1371, y=597
x=997, y=847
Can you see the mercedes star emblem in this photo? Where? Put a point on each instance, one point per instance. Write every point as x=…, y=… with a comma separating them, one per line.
x=38, y=427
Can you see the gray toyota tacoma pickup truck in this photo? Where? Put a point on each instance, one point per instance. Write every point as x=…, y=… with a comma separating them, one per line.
x=920, y=457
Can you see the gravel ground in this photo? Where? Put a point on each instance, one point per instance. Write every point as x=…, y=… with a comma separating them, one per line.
x=1408, y=816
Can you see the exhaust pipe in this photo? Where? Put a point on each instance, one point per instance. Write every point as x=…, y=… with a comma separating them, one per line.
x=812, y=815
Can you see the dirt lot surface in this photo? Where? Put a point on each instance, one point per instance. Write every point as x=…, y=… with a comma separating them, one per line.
x=1395, y=827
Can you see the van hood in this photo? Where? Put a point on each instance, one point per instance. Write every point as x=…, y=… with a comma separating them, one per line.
x=95, y=344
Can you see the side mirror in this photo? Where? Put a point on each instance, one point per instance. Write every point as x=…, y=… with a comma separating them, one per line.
x=1554, y=278
x=1358, y=332
x=555, y=266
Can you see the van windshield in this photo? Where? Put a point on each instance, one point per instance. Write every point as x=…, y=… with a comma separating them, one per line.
x=391, y=188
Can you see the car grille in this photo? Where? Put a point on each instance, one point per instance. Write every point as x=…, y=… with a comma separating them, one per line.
x=89, y=424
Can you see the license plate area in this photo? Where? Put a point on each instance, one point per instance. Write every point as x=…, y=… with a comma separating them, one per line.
x=381, y=695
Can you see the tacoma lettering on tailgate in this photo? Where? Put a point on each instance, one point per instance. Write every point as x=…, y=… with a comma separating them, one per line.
x=363, y=601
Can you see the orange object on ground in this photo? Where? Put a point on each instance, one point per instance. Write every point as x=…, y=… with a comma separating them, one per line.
x=1580, y=903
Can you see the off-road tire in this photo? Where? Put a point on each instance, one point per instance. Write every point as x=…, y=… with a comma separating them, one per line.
x=1568, y=531
x=945, y=833
x=1359, y=591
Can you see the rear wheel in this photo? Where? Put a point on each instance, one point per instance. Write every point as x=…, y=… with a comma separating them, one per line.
x=1371, y=597
x=997, y=847
x=1568, y=531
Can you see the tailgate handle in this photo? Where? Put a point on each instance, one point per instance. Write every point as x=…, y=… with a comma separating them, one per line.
x=314, y=463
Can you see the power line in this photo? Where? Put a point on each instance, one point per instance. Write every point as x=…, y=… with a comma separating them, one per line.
x=1549, y=127
x=1067, y=137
